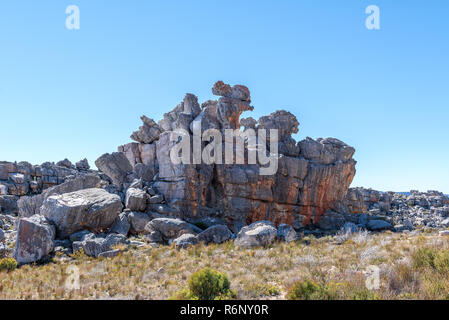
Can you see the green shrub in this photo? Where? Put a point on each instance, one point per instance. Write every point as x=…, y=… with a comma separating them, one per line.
x=307, y=290
x=206, y=284
x=8, y=264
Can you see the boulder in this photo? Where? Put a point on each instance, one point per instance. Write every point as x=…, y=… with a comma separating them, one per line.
x=34, y=240
x=116, y=166
x=215, y=234
x=136, y=199
x=64, y=163
x=31, y=205
x=261, y=233
x=138, y=221
x=185, y=241
x=332, y=221
x=2, y=235
x=171, y=228
x=121, y=225
x=286, y=233
x=82, y=165
x=90, y=209
x=378, y=225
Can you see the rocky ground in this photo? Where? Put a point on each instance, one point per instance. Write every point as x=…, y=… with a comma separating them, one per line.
x=140, y=204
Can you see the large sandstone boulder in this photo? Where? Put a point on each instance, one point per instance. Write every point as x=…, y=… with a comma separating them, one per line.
x=116, y=166
x=34, y=239
x=90, y=209
x=261, y=233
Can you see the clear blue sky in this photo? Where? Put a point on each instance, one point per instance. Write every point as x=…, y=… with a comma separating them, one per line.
x=80, y=93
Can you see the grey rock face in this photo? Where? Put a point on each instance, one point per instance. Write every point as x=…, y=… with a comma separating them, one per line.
x=34, y=239
x=171, y=228
x=2, y=235
x=286, y=233
x=116, y=166
x=261, y=233
x=136, y=199
x=215, y=234
x=378, y=225
x=185, y=241
x=90, y=209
